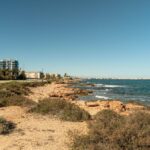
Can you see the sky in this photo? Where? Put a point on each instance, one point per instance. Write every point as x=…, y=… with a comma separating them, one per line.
x=88, y=38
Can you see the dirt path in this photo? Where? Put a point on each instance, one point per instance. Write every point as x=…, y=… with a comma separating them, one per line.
x=36, y=132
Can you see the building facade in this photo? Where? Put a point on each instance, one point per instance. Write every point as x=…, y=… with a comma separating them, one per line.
x=32, y=75
x=9, y=64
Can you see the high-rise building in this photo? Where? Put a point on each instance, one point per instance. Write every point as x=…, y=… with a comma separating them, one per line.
x=9, y=64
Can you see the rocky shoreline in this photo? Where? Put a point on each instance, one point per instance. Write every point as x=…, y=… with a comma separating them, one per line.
x=37, y=131
x=55, y=90
x=67, y=92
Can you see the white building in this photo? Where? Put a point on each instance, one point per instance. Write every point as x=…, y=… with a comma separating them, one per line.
x=32, y=75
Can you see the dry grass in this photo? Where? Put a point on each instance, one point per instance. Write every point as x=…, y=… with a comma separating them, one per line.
x=112, y=131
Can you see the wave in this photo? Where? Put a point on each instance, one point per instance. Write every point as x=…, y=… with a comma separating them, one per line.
x=107, y=90
x=108, y=86
x=113, y=86
x=99, y=85
x=102, y=97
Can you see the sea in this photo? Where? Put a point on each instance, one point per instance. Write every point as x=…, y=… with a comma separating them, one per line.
x=124, y=90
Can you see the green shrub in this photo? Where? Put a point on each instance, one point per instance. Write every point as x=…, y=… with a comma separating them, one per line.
x=33, y=84
x=18, y=88
x=13, y=88
x=62, y=109
x=13, y=93
x=71, y=112
x=112, y=131
x=16, y=101
x=49, y=106
x=6, y=126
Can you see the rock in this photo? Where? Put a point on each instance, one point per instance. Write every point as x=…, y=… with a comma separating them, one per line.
x=92, y=85
x=81, y=92
x=91, y=104
x=107, y=105
x=131, y=106
x=123, y=108
x=53, y=95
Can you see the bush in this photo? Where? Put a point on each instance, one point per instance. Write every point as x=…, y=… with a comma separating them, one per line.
x=33, y=84
x=136, y=132
x=71, y=112
x=112, y=131
x=6, y=126
x=17, y=88
x=14, y=93
x=16, y=101
x=62, y=109
x=13, y=88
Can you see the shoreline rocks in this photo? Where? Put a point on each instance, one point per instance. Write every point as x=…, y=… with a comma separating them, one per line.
x=63, y=91
x=115, y=105
x=55, y=90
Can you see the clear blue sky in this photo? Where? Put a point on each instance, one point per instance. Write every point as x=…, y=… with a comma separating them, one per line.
x=109, y=38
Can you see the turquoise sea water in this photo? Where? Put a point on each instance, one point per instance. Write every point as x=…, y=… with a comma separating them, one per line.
x=135, y=90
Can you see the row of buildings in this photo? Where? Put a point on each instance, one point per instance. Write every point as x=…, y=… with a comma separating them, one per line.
x=11, y=64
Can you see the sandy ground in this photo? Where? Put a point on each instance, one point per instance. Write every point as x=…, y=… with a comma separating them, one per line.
x=36, y=132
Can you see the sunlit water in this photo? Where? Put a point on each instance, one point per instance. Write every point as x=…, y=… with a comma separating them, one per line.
x=135, y=90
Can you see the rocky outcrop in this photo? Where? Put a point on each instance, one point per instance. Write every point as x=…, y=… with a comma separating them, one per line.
x=115, y=105
x=57, y=91
x=63, y=91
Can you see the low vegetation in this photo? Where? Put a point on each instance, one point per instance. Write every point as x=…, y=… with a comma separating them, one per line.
x=16, y=101
x=6, y=126
x=13, y=93
x=7, y=74
x=109, y=130
x=13, y=89
x=62, y=109
x=19, y=88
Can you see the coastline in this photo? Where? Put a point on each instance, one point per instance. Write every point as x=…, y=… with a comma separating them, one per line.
x=67, y=92
x=111, y=89
x=37, y=131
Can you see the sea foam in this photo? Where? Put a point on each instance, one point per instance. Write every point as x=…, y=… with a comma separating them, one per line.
x=112, y=86
x=108, y=86
x=102, y=97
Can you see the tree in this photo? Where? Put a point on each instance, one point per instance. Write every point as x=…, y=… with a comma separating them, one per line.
x=1, y=75
x=8, y=74
x=22, y=76
x=48, y=77
x=15, y=73
x=42, y=76
x=59, y=76
x=65, y=75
